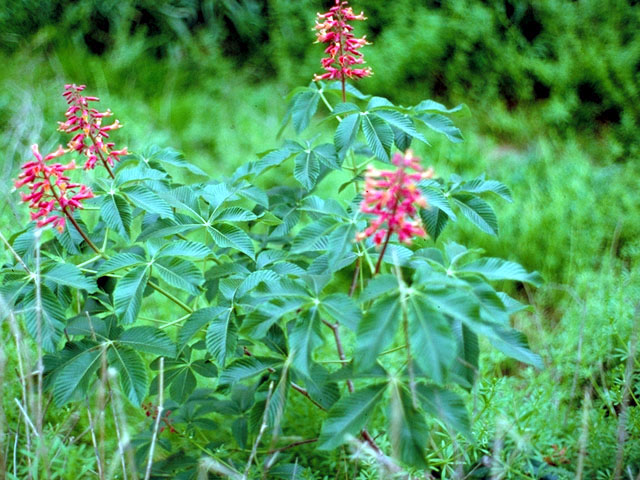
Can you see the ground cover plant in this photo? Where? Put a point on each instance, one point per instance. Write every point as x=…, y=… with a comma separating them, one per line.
x=303, y=279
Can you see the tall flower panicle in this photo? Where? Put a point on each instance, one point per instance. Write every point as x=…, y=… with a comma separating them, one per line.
x=91, y=137
x=52, y=196
x=344, y=58
x=392, y=197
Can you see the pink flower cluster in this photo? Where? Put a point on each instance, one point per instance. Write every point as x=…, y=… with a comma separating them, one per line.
x=52, y=196
x=86, y=122
x=392, y=197
x=343, y=50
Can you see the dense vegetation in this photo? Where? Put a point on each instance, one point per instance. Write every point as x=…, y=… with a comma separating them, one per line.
x=553, y=92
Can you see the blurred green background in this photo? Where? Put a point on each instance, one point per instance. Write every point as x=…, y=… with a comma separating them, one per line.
x=553, y=88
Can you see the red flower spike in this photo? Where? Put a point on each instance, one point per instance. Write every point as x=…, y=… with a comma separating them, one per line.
x=393, y=198
x=52, y=196
x=87, y=121
x=344, y=48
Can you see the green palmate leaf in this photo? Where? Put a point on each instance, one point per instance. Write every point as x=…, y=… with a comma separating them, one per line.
x=205, y=368
x=378, y=103
x=127, y=296
x=436, y=198
x=137, y=173
x=313, y=237
x=289, y=471
x=349, y=415
x=222, y=337
x=512, y=305
x=431, y=106
x=379, y=136
x=197, y=320
x=305, y=105
x=447, y=406
x=116, y=213
x=76, y=375
x=456, y=303
x=229, y=236
x=235, y=214
x=408, y=429
x=303, y=339
x=182, y=384
x=253, y=193
x=306, y=169
x=345, y=109
x=514, y=344
x=346, y=133
x=340, y=308
x=87, y=326
x=339, y=244
x=274, y=158
x=215, y=194
x=71, y=276
x=396, y=255
x=148, y=339
x=186, y=249
x=179, y=273
x=435, y=221
x=254, y=279
x=379, y=286
x=44, y=317
x=401, y=122
x=246, y=367
x=375, y=331
x=441, y=124
x=401, y=139
x=465, y=368
x=431, y=338
x=327, y=155
x=132, y=372
x=146, y=199
x=119, y=261
x=498, y=269
x=171, y=157
x=480, y=185
x=321, y=388
x=350, y=89
x=479, y=212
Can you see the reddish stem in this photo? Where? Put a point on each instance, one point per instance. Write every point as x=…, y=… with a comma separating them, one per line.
x=354, y=282
x=73, y=221
x=104, y=162
x=342, y=79
x=390, y=228
x=384, y=248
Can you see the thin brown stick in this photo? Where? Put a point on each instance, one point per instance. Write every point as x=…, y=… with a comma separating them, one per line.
x=303, y=391
x=263, y=428
x=293, y=445
x=156, y=426
x=94, y=441
x=623, y=417
x=354, y=282
x=584, y=434
x=338, y=340
x=3, y=420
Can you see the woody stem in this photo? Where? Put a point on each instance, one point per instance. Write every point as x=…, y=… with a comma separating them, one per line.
x=384, y=248
x=104, y=162
x=81, y=232
x=75, y=224
x=390, y=229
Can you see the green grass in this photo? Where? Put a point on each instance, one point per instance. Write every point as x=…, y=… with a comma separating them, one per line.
x=575, y=218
